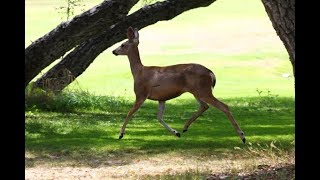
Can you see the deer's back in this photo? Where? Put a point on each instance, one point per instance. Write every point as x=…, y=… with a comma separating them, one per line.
x=168, y=82
x=187, y=69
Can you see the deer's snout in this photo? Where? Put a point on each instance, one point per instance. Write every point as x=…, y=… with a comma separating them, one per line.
x=114, y=52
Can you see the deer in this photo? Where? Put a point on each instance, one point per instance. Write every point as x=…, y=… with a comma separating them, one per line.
x=168, y=82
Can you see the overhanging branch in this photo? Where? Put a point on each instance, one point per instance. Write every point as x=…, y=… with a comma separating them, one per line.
x=67, y=35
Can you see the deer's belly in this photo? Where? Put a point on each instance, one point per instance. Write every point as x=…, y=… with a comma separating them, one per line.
x=162, y=94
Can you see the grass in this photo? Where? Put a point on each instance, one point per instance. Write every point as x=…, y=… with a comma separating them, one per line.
x=235, y=39
x=79, y=129
x=88, y=127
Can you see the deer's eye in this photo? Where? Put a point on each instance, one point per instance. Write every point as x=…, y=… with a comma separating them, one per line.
x=122, y=45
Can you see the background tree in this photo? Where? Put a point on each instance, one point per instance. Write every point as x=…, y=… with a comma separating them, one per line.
x=68, y=10
x=282, y=16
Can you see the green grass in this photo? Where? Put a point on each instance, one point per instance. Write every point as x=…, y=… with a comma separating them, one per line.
x=90, y=130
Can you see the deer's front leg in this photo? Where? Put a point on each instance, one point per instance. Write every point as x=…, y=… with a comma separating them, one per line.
x=160, y=114
x=135, y=107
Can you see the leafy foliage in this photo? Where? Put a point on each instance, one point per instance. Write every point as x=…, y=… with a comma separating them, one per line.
x=69, y=9
x=68, y=101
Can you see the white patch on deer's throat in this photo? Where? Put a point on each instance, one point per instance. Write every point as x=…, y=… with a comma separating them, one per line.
x=136, y=34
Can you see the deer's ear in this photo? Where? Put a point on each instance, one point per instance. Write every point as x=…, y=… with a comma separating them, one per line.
x=130, y=33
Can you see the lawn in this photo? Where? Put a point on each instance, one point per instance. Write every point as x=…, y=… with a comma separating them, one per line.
x=79, y=129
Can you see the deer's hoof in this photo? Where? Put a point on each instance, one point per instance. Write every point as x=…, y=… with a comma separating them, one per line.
x=178, y=134
x=244, y=140
x=121, y=136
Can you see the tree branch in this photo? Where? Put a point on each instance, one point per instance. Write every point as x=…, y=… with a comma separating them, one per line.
x=67, y=35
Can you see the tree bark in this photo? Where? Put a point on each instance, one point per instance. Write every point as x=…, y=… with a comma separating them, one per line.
x=67, y=35
x=282, y=16
x=76, y=62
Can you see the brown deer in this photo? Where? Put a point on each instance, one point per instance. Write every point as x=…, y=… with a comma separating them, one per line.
x=164, y=83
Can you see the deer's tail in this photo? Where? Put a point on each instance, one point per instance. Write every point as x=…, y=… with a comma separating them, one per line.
x=213, y=79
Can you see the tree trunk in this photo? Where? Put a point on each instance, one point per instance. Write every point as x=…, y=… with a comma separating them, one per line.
x=67, y=35
x=282, y=16
x=76, y=62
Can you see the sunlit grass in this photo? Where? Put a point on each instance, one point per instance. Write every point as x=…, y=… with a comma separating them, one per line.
x=89, y=129
x=237, y=76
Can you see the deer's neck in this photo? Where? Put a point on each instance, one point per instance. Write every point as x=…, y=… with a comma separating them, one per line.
x=135, y=61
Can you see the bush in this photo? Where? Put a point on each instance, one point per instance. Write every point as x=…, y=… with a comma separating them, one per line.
x=69, y=101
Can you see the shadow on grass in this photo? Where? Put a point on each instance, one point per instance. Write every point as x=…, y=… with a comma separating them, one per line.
x=91, y=138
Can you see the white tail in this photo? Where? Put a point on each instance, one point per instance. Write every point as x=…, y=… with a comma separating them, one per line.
x=164, y=83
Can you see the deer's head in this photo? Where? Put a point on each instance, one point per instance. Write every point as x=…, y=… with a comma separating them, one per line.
x=133, y=41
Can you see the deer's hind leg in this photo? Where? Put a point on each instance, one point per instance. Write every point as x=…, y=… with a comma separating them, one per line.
x=210, y=99
x=202, y=108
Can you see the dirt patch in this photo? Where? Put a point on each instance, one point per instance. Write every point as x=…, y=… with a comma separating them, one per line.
x=263, y=172
x=164, y=165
